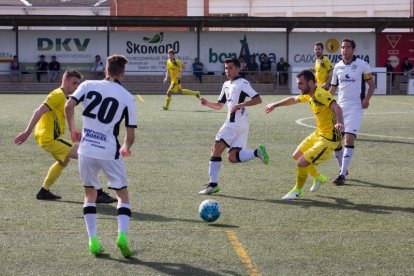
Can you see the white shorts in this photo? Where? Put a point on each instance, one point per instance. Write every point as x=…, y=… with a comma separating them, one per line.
x=114, y=171
x=234, y=135
x=352, y=120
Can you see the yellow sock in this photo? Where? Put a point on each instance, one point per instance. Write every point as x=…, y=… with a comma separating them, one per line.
x=54, y=172
x=190, y=92
x=301, y=175
x=312, y=170
x=168, y=101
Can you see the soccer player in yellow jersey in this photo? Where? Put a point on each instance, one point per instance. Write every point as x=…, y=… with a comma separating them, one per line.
x=175, y=68
x=323, y=67
x=319, y=145
x=48, y=120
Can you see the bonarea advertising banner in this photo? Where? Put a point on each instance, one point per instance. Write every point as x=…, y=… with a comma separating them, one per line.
x=73, y=49
x=301, y=47
x=216, y=46
x=7, y=49
x=147, y=51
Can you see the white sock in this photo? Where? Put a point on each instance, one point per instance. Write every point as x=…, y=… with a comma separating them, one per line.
x=89, y=214
x=346, y=160
x=339, y=153
x=245, y=155
x=123, y=214
x=214, y=167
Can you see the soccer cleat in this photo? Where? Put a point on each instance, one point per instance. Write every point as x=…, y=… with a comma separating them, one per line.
x=95, y=246
x=209, y=190
x=104, y=197
x=339, y=180
x=293, y=194
x=44, y=194
x=317, y=182
x=165, y=108
x=198, y=94
x=122, y=243
x=262, y=154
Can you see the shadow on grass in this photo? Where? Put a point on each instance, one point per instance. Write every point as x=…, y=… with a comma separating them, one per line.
x=162, y=267
x=238, y=197
x=343, y=204
x=376, y=185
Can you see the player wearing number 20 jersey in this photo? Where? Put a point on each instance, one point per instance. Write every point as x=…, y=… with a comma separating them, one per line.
x=103, y=110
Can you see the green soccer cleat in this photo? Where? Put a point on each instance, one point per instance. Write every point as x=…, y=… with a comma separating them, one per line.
x=262, y=154
x=293, y=194
x=198, y=94
x=317, y=182
x=95, y=246
x=122, y=243
x=165, y=108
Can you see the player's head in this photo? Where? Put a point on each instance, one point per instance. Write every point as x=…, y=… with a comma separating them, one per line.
x=305, y=81
x=318, y=49
x=171, y=54
x=70, y=81
x=115, y=67
x=231, y=67
x=347, y=49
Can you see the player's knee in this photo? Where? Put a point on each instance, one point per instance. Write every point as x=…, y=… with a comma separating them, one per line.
x=232, y=158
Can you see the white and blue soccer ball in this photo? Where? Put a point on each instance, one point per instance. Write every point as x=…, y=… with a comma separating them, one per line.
x=209, y=210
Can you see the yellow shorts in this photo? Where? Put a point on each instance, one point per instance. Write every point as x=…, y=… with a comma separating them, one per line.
x=317, y=149
x=59, y=148
x=175, y=86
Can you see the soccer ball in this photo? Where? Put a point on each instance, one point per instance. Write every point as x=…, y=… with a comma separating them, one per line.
x=209, y=210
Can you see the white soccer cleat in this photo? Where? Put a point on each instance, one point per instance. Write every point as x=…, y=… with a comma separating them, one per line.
x=317, y=182
x=293, y=194
x=209, y=190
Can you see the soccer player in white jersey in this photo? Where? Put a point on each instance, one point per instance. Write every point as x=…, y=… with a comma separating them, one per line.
x=348, y=79
x=235, y=130
x=105, y=104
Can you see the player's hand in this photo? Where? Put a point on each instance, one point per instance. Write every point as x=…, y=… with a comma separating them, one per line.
x=269, y=108
x=21, y=138
x=75, y=135
x=340, y=127
x=165, y=80
x=203, y=101
x=365, y=103
x=236, y=107
x=125, y=152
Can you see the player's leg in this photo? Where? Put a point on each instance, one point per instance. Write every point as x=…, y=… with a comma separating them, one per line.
x=61, y=149
x=89, y=169
x=172, y=88
x=117, y=179
x=214, y=167
x=352, y=121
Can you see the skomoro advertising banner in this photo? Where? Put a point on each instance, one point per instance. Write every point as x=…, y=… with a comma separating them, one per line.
x=216, y=46
x=301, y=47
x=147, y=51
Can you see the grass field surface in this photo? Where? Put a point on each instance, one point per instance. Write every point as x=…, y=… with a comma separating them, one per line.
x=363, y=228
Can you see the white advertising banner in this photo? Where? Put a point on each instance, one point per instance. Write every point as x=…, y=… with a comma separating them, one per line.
x=301, y=47
x=216, y=46
x=7, y=49
x=147, y=51
x=73, y=49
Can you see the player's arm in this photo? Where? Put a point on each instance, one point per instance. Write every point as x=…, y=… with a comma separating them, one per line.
x=339, y=117
x=125, y=149
x=285, y=102
x=166, y=76
x=70, y=118
x=333, y=89
x=37, y=114
x=371, y=89
x=328, y=80
x=254, y=101
x=216, y=106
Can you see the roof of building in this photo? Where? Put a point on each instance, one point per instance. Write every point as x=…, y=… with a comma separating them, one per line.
x=55, y=3
x=290, y=23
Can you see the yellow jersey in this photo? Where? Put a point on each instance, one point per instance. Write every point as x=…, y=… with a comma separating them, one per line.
x=52, y=123
x=322, y=67
x=173, y=67
x=324, y=116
